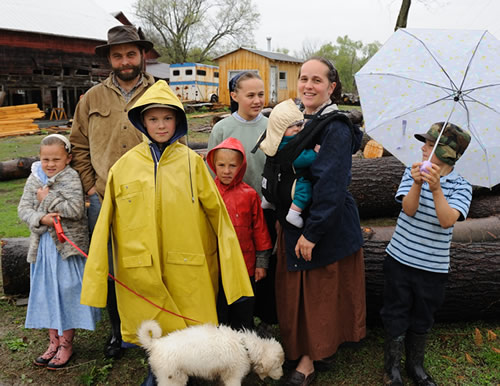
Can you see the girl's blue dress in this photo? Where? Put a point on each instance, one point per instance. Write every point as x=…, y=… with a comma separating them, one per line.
x=55, y=287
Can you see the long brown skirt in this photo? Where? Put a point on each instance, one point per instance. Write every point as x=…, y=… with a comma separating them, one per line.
x=321, y=308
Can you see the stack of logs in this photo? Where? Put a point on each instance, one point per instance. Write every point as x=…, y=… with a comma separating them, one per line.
x=16, y=120
x=474, y=280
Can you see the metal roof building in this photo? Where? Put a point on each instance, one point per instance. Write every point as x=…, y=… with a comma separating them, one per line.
x=47, y=50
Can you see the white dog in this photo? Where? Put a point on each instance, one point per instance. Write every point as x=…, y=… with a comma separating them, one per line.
x=207, y=351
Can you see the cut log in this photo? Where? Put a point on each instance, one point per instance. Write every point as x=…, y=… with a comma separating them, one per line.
x=15, y=268
x=17, y=168
x=473, y=283
x=366, y=138
x=376, y=181
x=484, y=206
x=373, y=149
x=374, y=184
x=472, y=289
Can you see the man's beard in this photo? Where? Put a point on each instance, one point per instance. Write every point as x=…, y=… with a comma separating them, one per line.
x=136, y=70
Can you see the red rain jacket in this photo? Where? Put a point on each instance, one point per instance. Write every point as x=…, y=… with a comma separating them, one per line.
x=243, y=205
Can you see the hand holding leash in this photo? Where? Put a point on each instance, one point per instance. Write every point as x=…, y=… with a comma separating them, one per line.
x=58, y=228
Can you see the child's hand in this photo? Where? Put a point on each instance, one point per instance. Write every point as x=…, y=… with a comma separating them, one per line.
x=41, y=193
x=416, y=173
x=48, y=219
x=260, y=273
x=432, y=176
x=316, y=148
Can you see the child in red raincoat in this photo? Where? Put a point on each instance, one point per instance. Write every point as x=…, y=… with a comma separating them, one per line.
x=228, y=162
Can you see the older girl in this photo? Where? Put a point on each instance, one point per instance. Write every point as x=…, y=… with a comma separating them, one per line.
x=54, y=189
x=320, y=278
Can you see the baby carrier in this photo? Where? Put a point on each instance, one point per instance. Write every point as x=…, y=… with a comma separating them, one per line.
x=279, y=175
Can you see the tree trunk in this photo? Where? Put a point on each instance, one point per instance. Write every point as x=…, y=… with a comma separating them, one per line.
x=403, y=14
x=15, y=268
x=16, y=168
x=375, y=182
x=484, y=206
x=472, y=290
x=473, y=283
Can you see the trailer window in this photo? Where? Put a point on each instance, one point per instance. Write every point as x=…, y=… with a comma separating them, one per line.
x=201, y=72
x=216, y=74
x=189, y=72
x=176, y=72
x=283, y=82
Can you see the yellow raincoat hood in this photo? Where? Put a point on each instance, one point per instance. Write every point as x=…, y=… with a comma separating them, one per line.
x=159, y=93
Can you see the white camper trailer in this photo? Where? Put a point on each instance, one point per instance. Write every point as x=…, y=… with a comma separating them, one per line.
x=195, y=82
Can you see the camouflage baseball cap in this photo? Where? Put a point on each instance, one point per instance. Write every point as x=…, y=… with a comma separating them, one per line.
x=452, y=143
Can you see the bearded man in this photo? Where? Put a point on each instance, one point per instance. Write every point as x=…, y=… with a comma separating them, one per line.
x=101, y=133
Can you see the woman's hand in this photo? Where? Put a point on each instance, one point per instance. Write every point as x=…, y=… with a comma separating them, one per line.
x=91, y=191
x=304, y=248
x=260, y=273
x=48, y=219
x=41, y=193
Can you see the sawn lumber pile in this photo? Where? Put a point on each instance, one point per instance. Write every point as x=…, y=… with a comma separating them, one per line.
x=15, y=120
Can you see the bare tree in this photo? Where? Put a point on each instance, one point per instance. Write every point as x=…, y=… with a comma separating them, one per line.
x=403, y=14
x=195, y=29
x=402, y=20
x=309, y=48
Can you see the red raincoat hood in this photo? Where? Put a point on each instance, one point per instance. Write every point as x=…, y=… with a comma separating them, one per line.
x=233, y=144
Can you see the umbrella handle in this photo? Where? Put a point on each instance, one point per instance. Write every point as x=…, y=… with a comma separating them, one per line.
x=426, y=165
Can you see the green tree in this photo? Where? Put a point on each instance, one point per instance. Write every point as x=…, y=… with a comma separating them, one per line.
x=195, y=30
x=348, y=56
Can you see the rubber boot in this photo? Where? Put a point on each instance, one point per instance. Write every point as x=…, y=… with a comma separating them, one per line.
x=113, y=347
x=415, y=353
x=64, y=352
x=51, y=351
x=393, y=352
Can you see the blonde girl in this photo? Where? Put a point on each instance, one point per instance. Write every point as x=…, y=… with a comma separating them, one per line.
x=54, y=190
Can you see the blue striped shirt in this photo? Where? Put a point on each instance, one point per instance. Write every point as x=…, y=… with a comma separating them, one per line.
x=420, y=241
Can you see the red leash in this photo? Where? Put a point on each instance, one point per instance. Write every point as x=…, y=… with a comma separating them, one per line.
x=62, y=238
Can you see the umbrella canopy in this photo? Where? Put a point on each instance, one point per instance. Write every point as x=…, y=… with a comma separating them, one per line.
x=423, y=76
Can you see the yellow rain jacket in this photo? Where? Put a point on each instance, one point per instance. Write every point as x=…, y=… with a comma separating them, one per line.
x=172, y=236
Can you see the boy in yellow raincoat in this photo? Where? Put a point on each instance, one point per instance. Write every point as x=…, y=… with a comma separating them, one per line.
x=172, y=236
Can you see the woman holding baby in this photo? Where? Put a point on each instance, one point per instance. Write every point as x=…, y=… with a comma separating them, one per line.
x=320, y=281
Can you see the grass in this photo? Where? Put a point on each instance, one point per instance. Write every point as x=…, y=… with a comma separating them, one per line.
x=10, y=194
x=450, y=346
x=455, y=355
x=20, y=146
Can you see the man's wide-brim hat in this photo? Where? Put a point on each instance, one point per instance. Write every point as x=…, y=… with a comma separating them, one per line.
x=123, y=34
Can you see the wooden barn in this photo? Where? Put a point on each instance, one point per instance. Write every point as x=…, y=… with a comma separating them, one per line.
x=47, y=51
x=278, y=71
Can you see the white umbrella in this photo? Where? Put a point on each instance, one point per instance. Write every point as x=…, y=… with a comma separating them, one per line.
x=423, y=76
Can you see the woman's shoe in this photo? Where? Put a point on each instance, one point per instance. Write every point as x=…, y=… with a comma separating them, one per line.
x=46, y=357
x=296, y=378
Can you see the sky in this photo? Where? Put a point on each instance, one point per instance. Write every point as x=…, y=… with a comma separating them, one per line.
x=293, y=25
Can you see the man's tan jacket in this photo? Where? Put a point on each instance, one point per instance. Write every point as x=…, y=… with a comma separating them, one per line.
x=101, y=132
